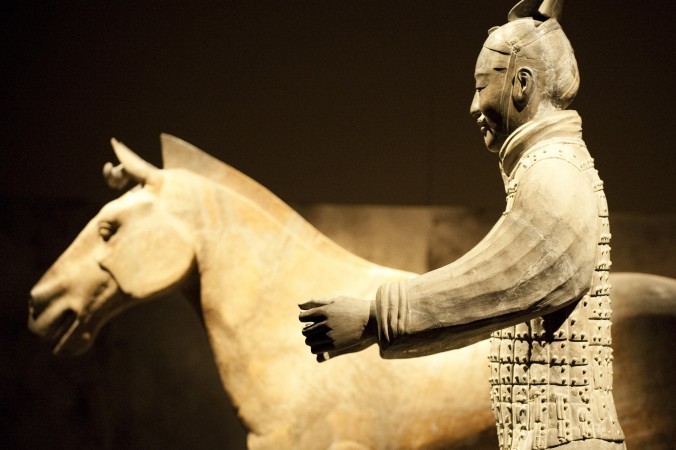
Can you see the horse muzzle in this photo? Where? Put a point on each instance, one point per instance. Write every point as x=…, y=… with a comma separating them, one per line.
x=52, y=319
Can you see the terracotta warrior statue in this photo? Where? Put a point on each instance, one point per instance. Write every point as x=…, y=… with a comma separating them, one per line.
x=538, y=282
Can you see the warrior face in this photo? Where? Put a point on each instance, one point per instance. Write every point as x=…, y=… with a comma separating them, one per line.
x=525, y=68
x=489, y=76
x=504, y=99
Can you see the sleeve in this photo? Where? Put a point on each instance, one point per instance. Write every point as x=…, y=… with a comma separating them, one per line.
x=538, y=257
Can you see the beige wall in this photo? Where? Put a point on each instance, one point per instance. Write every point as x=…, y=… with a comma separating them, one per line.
x=424, y=238
x=150, y=381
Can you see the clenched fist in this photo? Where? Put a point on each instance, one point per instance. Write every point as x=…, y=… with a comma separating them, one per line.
x=339, y=325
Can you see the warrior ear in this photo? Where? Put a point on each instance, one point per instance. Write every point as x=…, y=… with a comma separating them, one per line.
x=537, y=9
x=524, y=85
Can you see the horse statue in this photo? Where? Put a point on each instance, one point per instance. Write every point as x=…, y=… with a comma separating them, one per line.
x=245, y=259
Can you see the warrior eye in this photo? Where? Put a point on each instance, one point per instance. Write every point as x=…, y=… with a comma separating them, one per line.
x=107, y=229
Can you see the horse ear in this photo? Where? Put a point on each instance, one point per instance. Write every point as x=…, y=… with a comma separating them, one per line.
x=134, y=166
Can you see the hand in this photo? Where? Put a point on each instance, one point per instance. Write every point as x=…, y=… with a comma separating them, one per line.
x=338, y=326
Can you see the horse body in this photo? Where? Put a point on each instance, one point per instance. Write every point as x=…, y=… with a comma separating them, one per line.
x=285, y=398
x=254, y=259
x=254, y=265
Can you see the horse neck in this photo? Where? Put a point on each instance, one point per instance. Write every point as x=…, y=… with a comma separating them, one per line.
x=254, y=270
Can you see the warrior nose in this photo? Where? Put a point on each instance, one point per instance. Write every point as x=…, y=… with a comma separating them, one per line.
x=474, y=110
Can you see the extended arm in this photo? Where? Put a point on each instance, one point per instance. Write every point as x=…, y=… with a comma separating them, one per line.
x=539, y=257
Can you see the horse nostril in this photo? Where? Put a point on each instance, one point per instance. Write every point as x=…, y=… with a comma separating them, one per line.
x=42, y=295
x=36, y=307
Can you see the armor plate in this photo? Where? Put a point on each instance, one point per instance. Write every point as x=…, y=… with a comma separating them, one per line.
x=551, y=377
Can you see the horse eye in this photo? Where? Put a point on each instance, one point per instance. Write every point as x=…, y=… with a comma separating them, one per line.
x=107, y=229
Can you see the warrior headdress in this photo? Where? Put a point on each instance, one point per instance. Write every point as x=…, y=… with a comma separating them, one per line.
x=534, y=38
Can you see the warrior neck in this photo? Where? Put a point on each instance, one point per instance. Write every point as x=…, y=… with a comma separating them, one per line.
x=560, y=124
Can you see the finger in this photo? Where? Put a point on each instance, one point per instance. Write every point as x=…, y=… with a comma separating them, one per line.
x=325, y=356
x=315, y=303
x=320, y=348
x=314, y=328
x=342, y=351
x=316, y=341
x=312, y=315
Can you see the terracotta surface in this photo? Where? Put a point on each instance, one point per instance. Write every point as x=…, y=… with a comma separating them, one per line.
x=247, y=251
x=254, y=341
x=538, y=282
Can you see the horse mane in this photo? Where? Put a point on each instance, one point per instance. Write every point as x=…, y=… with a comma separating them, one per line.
x=179, y=154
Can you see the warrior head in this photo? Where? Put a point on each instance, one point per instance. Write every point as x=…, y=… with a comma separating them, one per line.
x=526, y=68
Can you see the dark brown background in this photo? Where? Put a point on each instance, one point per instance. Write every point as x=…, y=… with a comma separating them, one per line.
x=341, y=102
x=348, y=101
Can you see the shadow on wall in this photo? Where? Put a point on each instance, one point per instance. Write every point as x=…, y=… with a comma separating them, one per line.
x=150, y=381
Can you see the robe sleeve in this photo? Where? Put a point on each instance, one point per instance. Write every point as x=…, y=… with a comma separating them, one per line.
x=538, y=257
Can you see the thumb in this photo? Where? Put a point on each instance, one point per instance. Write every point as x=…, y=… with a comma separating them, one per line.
x=323, y=357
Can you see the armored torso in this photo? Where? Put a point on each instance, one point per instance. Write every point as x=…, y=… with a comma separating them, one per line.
x=545, y=262
x=552, y=377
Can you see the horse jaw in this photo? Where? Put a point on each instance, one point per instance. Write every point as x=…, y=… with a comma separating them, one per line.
x=75, y=297
x=71, y=322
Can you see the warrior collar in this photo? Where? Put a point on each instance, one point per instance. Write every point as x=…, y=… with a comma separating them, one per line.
x=565, y=124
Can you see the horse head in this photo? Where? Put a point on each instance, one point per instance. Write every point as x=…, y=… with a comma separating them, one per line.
x=134, y=249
